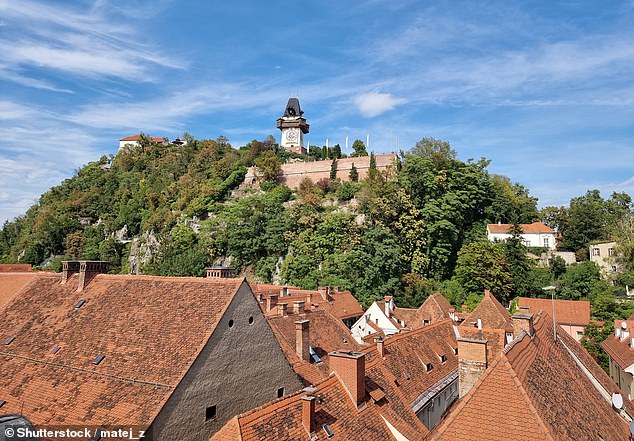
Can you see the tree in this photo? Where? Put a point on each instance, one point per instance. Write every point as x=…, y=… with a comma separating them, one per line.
x=333, y=169
x=510, y=202
x=557, y=266
x=483, y=265
x=519, y=263
x=587, y=221
x=579, y=281
x=354, y=174
x=359, y=148
x=440, y=152
x=373, y=173
x=269, y=166
x=336, y=151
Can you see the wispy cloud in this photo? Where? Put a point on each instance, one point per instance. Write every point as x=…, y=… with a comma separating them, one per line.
x=375, y=103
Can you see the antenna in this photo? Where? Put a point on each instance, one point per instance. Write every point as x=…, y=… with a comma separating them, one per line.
x=617, y=401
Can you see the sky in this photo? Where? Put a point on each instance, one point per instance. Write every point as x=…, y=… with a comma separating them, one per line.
x=545, y=90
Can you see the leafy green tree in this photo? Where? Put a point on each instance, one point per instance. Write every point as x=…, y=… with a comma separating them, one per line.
x=354, y=174
x=579, y=281
x=336, y=151
x=269, y=166
x=483, y=265
x=557, y=266
x=587, y=221
x=439, y=152
x=511, y=203
x=519, y=263
x=359, y=148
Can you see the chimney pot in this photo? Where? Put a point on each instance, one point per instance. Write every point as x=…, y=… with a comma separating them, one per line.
x=522, y=320
x=380, y=346
x=271, y=302
x=283, y=309
x=308, y=413
x=350, y=368
x=298, y=306
x=302, y=339
x=472, y=362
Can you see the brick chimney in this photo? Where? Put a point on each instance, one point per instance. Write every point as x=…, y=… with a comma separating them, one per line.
x=284, y=291
x=388, y=305
x=522, y=320
x=271, y=302
x=308, y=413
x=379, y=346
x=309, y=300
x=350, y=368
x=472, y=362
x=87, y=270
x=283, y=309
x=302, y=339
x=68, y=269
x=298, y=306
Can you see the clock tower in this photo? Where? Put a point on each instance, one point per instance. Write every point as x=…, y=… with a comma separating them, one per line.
x=293, y=126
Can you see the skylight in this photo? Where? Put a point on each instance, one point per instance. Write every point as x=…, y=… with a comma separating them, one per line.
x=98, y=359
x=328, y=430
x=313, y=355
x=79, y=304
x=9, y=341
x=2, y=402
x=56, y=349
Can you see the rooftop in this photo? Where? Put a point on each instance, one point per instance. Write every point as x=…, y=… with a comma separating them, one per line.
x=535, y=227
x=569, y=312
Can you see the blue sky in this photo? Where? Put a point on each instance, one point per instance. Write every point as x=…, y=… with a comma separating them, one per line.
x=544, y=90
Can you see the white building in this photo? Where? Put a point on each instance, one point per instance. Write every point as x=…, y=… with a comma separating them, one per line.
x=533, y=235
x=378, y=318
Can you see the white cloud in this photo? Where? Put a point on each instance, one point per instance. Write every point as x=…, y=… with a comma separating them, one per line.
x=375, y=103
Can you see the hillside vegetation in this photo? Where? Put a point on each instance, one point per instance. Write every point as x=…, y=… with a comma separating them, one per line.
x=418, y=228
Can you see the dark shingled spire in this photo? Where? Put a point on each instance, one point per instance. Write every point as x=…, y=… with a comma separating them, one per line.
x=292, y=108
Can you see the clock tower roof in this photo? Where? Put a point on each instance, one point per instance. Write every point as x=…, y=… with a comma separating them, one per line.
x=293, y=109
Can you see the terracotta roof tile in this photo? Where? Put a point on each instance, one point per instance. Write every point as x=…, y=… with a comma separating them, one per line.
x=535, y=227
x=492, y=313
x=15, y=267
x=11, y=283
x=150, y=329
x=569, y=312
x=618, y=348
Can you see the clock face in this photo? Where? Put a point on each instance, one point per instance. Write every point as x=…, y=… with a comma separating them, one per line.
x=292, y=135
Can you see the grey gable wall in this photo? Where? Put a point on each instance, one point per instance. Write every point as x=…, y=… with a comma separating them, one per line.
x=241, y=367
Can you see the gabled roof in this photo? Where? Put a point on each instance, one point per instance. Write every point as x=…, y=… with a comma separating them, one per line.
x=534, y=228
x=568, y=312
x=537, y=390
x=150, y=329
x=496, y=340
x=326, y=334
x=138, y=137
x=618, y=348
x=282, y=419
x=492, y=313
x=435, y=307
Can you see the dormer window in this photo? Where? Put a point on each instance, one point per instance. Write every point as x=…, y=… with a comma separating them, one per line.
x=429, y=367
x=443, y=359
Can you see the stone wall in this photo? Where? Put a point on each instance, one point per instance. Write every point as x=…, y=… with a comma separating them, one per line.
x=241, y=367
x=294, y=173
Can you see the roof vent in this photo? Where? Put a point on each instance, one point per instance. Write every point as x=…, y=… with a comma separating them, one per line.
x=9, y=341
x=98, y=359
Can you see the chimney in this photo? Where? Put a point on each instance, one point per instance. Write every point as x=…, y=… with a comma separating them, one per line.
x=479, y=324
x=388, y=305
x=302, y=340
x=337, y=289
x=323, y=292
x=68, y=269
x=283, y=309
x=522, y=320
x=379, y=346
x=309, y=300
x=350, y=368
x=632, y=342
x=88, y=269
x=308, y=413
x=284, y=291
x=472, y=362
x=464, y=309
x=298, y=306
x=271, y=302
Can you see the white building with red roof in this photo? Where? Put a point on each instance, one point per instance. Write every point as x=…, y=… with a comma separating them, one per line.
x=533, y=235
x=131, y=141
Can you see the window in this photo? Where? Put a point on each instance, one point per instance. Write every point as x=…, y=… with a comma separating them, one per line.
x=328, y=430
x=406, y=375
x=56, y=349
x=443, y=359
x=313, y=355
x=546, y=245
x=2, y=403
x=251, y=320
x=376, y=320
x=231, y=323
x=429, y=367
x=426, y=322
x=611, y=252
x=9, y=341
x=210, y=413
x=280, y=392
x=613, y=268
x=79, y=304
x=455, y=351
x=596, y=252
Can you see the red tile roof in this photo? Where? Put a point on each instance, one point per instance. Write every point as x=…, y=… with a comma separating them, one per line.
x=390, y=394
x=536, y=390
x=618, y=348
x=435, y=307
x=568, y=312
x=11, y=283
x=496, y=339
x=150, y=329
x=138, y=137
x=341, y=304
x=492, y=313
x=535, y=227
x=15, y=267
x=326, y=334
